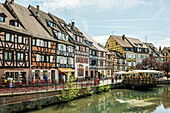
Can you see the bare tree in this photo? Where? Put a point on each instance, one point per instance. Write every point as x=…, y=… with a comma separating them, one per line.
x=153, y=63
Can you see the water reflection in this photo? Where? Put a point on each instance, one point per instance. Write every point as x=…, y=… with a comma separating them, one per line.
x=118, y=101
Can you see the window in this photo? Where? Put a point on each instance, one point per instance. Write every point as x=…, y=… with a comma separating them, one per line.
x=14, y=23
x=20, y=56
x=61, y=47
x=101, y=63
x=116, y=43
x=38, y=42
x=9, y=37
x=49, y=44
x=42, y=43
x=165, y=54
x=78, y=48
x=51, y=24
x=2, y=19
x=136, y=44
x=118, y=61
x=38, y=58
x=33, y=42
x=51, y=58
x=47, y=58
x=85, y=60
x=62, y=36
x=70, y=60
x=45, y=44
x=118, y=67
x=21, y=39
x=123, y=67
x=131, y=49
x=81, y=39
x=126, y=49
x=79, y=59
x=59, y=35
x=8, y=56
x=108, y=45
x=74, y=37
x=42, y=58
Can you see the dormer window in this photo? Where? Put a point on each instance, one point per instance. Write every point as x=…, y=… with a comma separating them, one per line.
x=136, y=44
x=14, y=23
x=80, y=34
x=74, y=37
x=141, y=45
x=81, y=39
x=2, y=17
x=51, y=24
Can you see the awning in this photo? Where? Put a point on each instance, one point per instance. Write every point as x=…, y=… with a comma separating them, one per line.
x=65, y=70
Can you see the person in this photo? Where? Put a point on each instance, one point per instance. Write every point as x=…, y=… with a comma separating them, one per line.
x=64, y=78
x=10, y=80
x=112, y=79
x=96, y=80
x=46, y=78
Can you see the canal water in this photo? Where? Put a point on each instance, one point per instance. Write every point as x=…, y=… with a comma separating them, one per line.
x=155, y=100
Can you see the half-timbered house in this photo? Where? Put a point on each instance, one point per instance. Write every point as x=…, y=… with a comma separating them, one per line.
x=132, y=49
x=81, y=50
x=14, y=46
x=64, y=50
x=43, y=46
x=105, y=62
x=93, y=55
x=124, y=49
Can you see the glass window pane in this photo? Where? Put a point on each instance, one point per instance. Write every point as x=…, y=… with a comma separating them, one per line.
x=10, y=56
x=19, y=39
x=22, y=56
x=6, y=56
x=18, y=56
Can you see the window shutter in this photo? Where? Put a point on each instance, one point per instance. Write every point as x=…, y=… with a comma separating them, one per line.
x=49, y=44
x=77, y=38
x=37, y=57
x=51, y=58
x=76, y=59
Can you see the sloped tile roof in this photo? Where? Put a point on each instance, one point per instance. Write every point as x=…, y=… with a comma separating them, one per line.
x=29, y=22
x=123, y=43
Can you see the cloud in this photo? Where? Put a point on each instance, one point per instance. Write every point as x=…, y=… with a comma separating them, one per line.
x=116, y=27
x=132, y=20
x=162, y=43
x=53, y=5
x=101, y=39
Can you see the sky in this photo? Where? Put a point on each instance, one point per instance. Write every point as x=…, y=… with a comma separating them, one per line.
x=147, y=20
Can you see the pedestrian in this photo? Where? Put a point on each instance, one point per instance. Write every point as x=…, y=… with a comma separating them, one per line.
x=112, y=79
x=96, y=80
x=46, y=78
x=64, y=78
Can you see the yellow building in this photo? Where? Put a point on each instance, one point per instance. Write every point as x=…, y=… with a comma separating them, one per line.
x=129, y=49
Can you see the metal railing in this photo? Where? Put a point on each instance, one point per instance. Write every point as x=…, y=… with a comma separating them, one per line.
x=40, y=86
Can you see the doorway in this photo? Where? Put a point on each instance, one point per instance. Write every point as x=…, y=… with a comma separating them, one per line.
x=91, y=74
x=52, y=75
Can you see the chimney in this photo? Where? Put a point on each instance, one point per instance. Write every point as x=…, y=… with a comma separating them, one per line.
x=160, y=48
x=12, y=1
x=123, y=37
x=38, y=9
x=72, y=24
